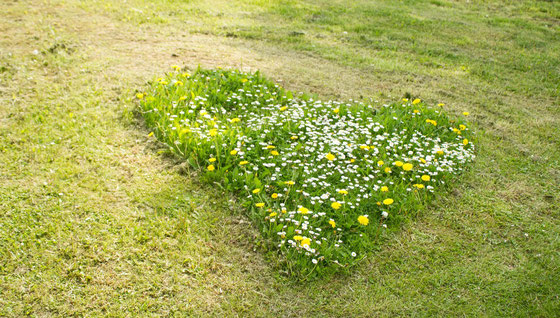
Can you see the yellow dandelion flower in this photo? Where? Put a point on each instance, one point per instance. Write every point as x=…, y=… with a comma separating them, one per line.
x=212, y=159
x=303, y=210
x=380, y=163
x=211, y=168
x=305, y=242
x=273, y=214
x=139, y=95
x=364, y=147
x=343, y=192
x=290, y=182
x=352, y=160
x=422, y=160
x=416, y=101
x=233, y=152
x=398, y=163
x=441, y=104
x=274, y=195
x=259, y=205
x=387, y=170
x=294, y=137
x=213, y=132
x=283, y=108
x=426, y=178
x=407, y=167
x=466, y=113
x=336, y=110
x=242, y=163
x=270, y=147
x=298, y=238
x=330, y=156
x=405, y=99
x=465, y=141
x=418, y=185
x=274, y=153
x=363, y=220
x=388, y=201
x=439, y=152
x=244, y=80
x=332, y=223
x=384, y=189
x=235, y=120
x=462, y=127
x=335, y=205
x=257, y=190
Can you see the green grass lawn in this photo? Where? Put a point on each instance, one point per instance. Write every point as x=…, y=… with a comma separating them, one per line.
x=98, y=219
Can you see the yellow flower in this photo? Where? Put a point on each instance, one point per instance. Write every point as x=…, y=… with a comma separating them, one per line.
x=298, y=238
x=139, y=95
x=178, y=83
x=426, y=178
x=343, y=192
x=405, y=99
x=182, y=98
x=462, y=127
x=465, y=141
x=364, y=147
x=422, y=160
x=466, y=113
x=387, y=170
x=294, y=137
x=213, y=132
x=235, y=120
x=441, y=104
x=407, y=167
x=352, y=160
x=430, y=121
x=305, y=242
x=398, y=163
x=284, y=211
x=257, y=190
x=418, y=185
x=384, y=189
x=283, y=108
x=332, y=223
x=274, y=153
x=270, y=147
x=212, y=159
x=416, y=111
x=439, y=152
x=233, y=152
x=273, y=214
x=244, y=80
x=274, y=195
x=335, y=205
x=303, y=210
x=211, y=168
x=336, y=111
x=380, y=163
x=242, y=163
x=416, y=101
x=330, y=156
x=186, y=74
x=388, y=201
x=363, y=220
x=290, y=182
x=259, y=205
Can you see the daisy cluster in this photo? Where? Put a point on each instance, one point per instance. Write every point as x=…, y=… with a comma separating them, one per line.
x=321, y=179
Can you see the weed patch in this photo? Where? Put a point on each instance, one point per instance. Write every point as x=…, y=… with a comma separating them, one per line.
x=321, y=179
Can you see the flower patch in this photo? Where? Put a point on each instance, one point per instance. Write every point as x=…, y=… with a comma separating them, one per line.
x=320, y=179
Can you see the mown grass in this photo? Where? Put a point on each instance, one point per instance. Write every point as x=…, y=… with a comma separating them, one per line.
x=93, y=221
